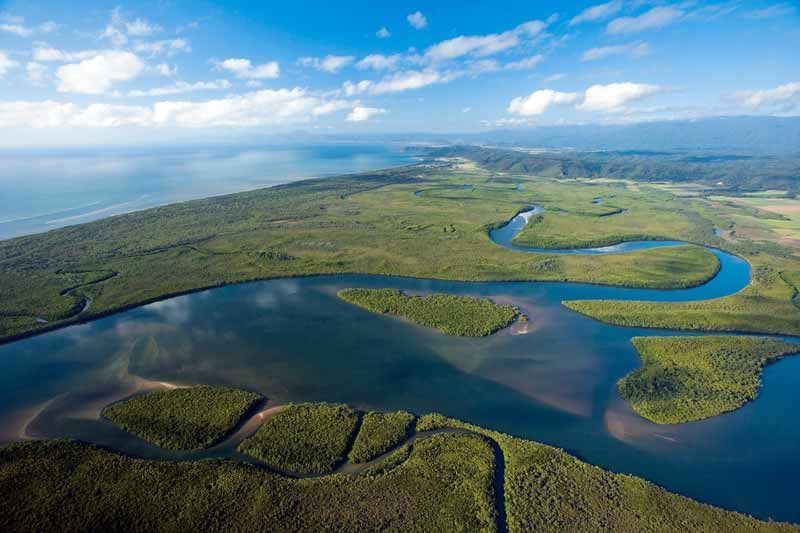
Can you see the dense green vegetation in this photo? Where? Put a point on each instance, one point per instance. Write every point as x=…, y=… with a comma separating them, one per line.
x=469, y=480
x=369, y=223
x=305, y=438
x=379, y=433
x=548, y=490
x=454, y=315
x=765, y=306
x=183, y=419
x=441, y=484
x=690, y=378
x=730, y=172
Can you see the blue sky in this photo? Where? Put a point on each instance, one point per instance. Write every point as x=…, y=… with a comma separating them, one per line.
x=102, y=71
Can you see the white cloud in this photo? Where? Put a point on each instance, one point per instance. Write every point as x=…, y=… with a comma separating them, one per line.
x=539, y=101
x=6, y=64
x=631, y=50
x=244, y=69
x=612, y=98
x=525, y=64
x=417, y=20
x=261, y=108
x=398, y=82
x=17, y=29
x=379, y=62
x=510, y=122
x=141, y=28
x=360, y=114
x=44, y=53
x=615, y=95
x=166, y=46
x=97, y=74
x=466, y=109
x=598, y=12
x=658, y=17
x=329, y=63
x=483, y=45
x=555, y=77
x=383, y=33
x=35, y=72
x=785, y=97
x=180, y=87
x=113, y=30
x=166, y=70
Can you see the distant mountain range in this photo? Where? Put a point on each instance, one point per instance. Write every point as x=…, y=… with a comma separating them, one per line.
x=748, y=134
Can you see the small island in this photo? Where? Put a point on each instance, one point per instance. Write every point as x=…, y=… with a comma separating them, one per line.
x=379, y=433
x=190, y=418
x=455, y=315
x=446, y=475
x=304, y=438
x=683, y=379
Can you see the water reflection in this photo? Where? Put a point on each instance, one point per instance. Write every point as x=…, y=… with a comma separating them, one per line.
x=294, y=340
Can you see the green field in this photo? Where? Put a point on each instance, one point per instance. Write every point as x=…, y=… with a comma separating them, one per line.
x=379, y=433
x=691, y=378
x=766, y=306
x=304, y=438
x=183, y=419
x=454, y=315
x=370, y=223
x=464, y=478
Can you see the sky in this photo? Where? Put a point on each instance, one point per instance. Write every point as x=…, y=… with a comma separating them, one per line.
x=103, y=72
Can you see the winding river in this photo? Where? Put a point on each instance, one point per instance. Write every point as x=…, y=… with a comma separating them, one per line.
x=551, y=380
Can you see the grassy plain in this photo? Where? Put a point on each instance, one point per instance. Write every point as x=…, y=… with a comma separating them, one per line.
x=454, y=315
x=369, y=223
x=182, y=419
x=304, y=438
x=379, y=433
x=691, y=378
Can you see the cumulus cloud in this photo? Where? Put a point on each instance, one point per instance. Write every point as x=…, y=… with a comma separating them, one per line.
x=97, y=74
x=784, y=97
x=261, y=108
x=6, y=64
x=361, y=114
x=165, y=46
x=539, y=101
x=244, y=69
x=383, y=33
x=598, y=12
x=180, y=87
x=615, y=95
x=483, y=45
x=379, y=62
x=35, y=72
x=631, y=50
x=398, y=82
x=417, y=20
x=658, y=17
x=610, y=98
x=329, y=63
